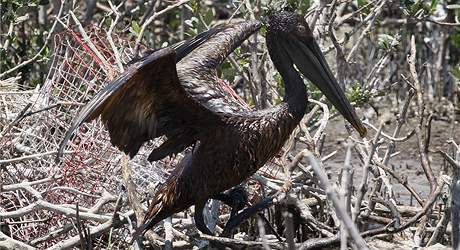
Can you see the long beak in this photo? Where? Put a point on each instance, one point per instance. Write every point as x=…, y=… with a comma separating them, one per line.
x=311, y=62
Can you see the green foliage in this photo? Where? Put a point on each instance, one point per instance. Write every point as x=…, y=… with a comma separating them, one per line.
x=361, y=4
x=202, y=18
x=301, y=6
x=135, y=28
x=455, y=38
x=195, y=5
x=387, y=42
x=13, y=10
x=456, y=71
x=279, y=86
x=314, y=92
x=419, y=8
x=359, y=96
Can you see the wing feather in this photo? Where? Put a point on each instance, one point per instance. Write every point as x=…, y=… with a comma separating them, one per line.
x=143, y=103
x=150, y=100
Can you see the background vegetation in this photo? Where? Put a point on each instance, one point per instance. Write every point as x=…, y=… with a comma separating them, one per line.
x=397, y=60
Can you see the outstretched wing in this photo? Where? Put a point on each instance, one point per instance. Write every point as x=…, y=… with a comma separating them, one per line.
x=149, y=99
x=197, y=71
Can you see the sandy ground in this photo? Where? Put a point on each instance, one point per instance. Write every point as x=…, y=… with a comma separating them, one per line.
x=406, y=163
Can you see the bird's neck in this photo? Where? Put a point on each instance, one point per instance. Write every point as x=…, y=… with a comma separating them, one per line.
x=296, y=95
x=295, y=90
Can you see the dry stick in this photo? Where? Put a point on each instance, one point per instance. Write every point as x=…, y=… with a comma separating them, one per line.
x=346, y=191
x=16, y=92
x=390, y=206
x=8, y=36
x=134, y=201
x=451, y=160
x=52, y=106
x=16, y=120
x=237, y=10
x=354, y=13
x=363, y=185
x=455, y=204
x=333, y=197
x=245, y=76
x=131, y=190
x=324, y=120
x=261, y=227
x=95, y=231
x=423, y=140
x=106, y=65
x=69, y=189
x=428, y=204
x=317, y=243
x=169, y=236
x=441, y=227
x=10, y=243
x=341, y=62
x=152, y=18
x=152, y=4
x=421, y=105
x=27, y=186
x=400, y=179
x=256, y=77
x=442, y=23
x=85, y=241
x=106, y=197
x=307, y=218
x=235, y=243
x=455, y=195
x=45, y=45
x=33, y=156
x=371, y=16
x=338, y=48
x=400, y=121
x=289, y=224
x=23, y=185
x=389, y=137
x=60, y=209
x=353, y=50
x=213, y=215
x=109, y=36
x=53, y=234
x=322, y=5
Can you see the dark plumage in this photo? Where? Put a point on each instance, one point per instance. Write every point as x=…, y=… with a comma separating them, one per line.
x=185, y=102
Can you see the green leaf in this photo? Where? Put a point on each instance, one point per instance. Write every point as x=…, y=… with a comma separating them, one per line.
x=434, y=3
x=361, y=3
x=387, y=42
x=135, y=27
x=208, y=17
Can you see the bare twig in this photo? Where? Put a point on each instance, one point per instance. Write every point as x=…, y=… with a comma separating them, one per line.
x=152, y=18
x=39, y=53
x=332, y=195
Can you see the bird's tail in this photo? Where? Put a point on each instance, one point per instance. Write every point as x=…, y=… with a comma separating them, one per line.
x=164, y=204
x=171, y=197
x=154, y=215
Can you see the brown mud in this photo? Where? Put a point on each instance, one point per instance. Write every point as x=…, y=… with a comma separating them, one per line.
x=406, y=163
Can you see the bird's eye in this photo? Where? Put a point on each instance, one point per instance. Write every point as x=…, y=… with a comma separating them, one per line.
x=301, y=29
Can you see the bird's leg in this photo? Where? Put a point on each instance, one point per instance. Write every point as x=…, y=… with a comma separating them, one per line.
x=199, y=219
x=234, y=221
x=236, y=198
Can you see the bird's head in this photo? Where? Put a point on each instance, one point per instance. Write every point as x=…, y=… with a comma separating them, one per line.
x=290, y=38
